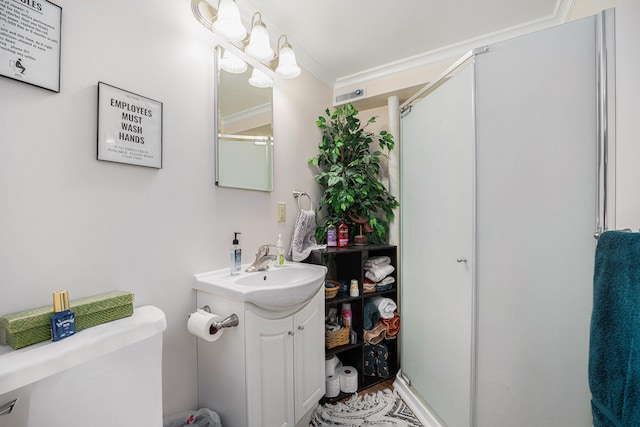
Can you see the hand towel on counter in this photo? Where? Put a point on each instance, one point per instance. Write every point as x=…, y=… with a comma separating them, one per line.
x=386, y=306
x=377, y=273
x=614, y=348
x=304, y=236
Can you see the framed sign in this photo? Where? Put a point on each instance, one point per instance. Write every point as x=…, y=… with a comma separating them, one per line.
x=30, y=42
x=129, y=127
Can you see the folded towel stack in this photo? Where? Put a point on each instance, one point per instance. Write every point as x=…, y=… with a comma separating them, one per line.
x=383, y=285
x=380, y=320
x=378, y=272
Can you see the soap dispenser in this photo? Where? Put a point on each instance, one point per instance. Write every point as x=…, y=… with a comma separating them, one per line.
x=280, y=249
x=236, y=255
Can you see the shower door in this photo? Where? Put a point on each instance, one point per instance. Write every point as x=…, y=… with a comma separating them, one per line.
x=438, y=250
x=498, y=208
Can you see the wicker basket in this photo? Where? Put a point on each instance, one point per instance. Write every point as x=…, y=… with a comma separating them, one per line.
x=333, y=290
x=337, y=338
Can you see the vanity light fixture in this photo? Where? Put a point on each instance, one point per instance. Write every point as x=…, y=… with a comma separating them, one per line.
x=232, y=64
x=259, y=47
x=228, y=23
x=287, y=65
x=225, y=21
x=260, y=79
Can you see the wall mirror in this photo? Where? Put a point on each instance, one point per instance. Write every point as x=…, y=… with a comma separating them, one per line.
x=244, y=132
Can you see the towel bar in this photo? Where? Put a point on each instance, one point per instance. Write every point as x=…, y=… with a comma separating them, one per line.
x=597, y=234
x=297, y=194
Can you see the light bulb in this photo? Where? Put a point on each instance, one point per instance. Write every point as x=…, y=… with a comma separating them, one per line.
x=287, y=66
x=258, y=47
x=260, y=79
x=232, y=63
x=228, y=23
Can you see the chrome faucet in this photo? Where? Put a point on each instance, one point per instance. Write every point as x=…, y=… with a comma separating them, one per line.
x=262, y=259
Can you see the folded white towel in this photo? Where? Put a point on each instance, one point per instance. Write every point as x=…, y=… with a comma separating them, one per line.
x=304, y=236
x=378, y=261
x=385, y=306
x=386, y=281
x=376, y=274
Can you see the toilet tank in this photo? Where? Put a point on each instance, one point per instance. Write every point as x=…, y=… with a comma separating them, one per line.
x=105, y=376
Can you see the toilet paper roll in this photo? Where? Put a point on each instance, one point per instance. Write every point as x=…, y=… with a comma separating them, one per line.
x=199, y=324
x=333, y=386
x=330, y=366
x=348, y=379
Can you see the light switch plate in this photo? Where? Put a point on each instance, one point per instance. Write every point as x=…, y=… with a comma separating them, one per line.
x=282, y=211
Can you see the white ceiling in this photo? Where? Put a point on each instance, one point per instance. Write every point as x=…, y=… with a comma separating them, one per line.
x=340, y=41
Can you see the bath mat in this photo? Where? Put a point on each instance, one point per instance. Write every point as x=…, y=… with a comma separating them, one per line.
x=384, y=408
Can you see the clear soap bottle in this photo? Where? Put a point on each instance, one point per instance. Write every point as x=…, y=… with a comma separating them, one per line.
x=236, y=255
x=280, y=249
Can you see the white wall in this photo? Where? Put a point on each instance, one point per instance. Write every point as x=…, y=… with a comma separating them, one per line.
x=68, y=221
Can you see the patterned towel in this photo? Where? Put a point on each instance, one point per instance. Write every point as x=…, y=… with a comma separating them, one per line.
x=304, y=236
x=375, y=360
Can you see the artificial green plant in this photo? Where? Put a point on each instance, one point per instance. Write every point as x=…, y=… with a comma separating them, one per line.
x=349, y=175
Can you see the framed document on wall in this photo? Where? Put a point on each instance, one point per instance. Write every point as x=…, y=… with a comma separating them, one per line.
x=129, y=127
x=30, y=42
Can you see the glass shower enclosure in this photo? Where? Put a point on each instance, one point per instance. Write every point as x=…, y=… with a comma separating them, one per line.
x=499, y=190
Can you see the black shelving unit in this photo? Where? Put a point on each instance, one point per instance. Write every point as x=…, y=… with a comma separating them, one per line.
x=346, y=264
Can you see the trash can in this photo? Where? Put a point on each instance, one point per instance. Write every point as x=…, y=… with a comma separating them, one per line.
x=194, y=418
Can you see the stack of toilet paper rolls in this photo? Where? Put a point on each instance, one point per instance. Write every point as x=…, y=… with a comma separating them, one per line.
x=340, y=378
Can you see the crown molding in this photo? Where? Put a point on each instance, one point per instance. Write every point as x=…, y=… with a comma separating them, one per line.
x=560, y=15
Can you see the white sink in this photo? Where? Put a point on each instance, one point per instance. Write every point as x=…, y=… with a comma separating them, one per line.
x=277, y=289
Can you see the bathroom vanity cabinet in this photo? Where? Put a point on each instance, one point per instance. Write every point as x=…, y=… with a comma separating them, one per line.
x=284, y=364
x=267, y=371
x=345, y=264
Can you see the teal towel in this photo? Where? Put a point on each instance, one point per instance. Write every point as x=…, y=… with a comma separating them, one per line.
x=614, y=350
x=371, y=315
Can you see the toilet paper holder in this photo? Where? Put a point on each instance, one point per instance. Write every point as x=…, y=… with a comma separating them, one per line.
x=229, y=322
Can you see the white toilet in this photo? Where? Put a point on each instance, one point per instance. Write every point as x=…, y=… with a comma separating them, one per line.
x=105, y=376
